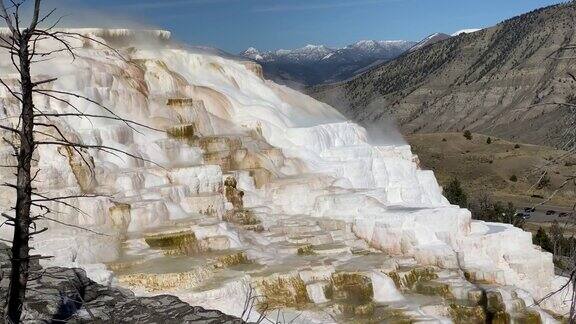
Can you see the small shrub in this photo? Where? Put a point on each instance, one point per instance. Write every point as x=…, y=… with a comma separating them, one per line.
x=489, y=140
x=468, y=135
x=306, y=250
x=517, y=146
x=444, y=140
x=513, y=178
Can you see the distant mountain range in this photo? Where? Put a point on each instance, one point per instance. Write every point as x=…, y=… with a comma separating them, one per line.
x=503, y=81
x=319, y=64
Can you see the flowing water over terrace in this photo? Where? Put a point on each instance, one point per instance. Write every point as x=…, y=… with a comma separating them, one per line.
x=310, y=269
x=304, y=269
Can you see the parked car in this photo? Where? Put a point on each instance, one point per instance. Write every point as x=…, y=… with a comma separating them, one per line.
x=523, y=215
x=550, y=212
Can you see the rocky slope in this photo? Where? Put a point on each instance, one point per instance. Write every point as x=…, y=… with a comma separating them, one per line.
x=498, y=81
x=318, y=64
x=260, y=196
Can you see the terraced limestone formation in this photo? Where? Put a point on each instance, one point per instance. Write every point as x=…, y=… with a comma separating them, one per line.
x=262, y=200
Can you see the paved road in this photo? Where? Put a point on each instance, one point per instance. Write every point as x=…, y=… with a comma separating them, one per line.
x=539, y=216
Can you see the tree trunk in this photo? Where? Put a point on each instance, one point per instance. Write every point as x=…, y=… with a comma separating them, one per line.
x=20, y=243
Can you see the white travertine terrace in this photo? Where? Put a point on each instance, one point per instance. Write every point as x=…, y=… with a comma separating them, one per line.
x=308, y=176
x=110, y=32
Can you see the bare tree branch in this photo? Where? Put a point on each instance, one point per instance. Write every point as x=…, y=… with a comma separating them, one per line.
x=128, y=121
x=74, y=226
x=103, y=148
x=35, y=16
x=6, y=17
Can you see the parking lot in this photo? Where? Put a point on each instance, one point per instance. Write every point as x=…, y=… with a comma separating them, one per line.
x=540, y=214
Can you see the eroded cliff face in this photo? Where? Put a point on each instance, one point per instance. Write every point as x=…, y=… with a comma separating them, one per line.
x=258, y=190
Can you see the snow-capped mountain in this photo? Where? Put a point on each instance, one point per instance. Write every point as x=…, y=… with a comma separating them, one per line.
x=319, y=64
x=438, y=37
x=316, y=64
x=434, y=38
x=308, y=53
x=369, y=49
x=466, y=31
x=252, y=53
x=363, y=49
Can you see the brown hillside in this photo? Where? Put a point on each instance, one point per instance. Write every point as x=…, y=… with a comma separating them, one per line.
x=497, y=81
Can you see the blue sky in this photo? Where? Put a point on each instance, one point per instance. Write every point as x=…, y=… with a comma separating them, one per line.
x=234, y=25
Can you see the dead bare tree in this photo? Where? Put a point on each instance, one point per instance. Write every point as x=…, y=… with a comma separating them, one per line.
x=24, y=48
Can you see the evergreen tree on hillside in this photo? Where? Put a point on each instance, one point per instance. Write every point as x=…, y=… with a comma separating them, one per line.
x=506, y=213
x=541, y=239
x=455, y=194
